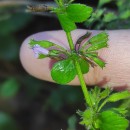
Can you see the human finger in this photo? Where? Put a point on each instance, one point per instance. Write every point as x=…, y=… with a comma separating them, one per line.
x=117, y=56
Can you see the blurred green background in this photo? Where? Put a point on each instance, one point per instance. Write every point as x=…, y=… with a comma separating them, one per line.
x=27, y=103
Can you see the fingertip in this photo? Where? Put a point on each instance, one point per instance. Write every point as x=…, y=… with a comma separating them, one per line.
x=40, y=68
x=116, y=72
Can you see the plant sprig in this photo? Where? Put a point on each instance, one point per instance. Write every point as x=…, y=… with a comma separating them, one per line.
x=77, y=61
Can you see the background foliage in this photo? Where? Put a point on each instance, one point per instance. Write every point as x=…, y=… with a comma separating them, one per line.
x=30, y=104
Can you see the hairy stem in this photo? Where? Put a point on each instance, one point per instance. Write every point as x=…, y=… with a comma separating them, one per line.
x=79, y=72
x=82, y=83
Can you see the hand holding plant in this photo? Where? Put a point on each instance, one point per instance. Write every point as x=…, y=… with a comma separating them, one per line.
x=77, y=61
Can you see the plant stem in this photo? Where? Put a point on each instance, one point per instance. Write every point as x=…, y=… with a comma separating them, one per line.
x=82, y=83
x=70, y=41
x=79, y=72
x=102, y=105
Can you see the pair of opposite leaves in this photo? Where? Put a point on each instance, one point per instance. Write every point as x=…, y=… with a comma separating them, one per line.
x=64, y=70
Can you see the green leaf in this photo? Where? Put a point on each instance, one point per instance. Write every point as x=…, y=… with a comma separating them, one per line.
x=63, y=71
x=9, y=88
x=96, y=91
x=95, y=17
x=125, y=14
x=54, y=52
x=87, y=117
x=94, y=54
x=103, y=36
x=97, y=60
x=109, y=120
x=84, y=65
x=95, y=96
x=97, y=42
x=43, y=43
x=125, y=104
x=122, y=111
x=105, y=93
x=99, y=13
x=97, y=46
x=41, y=56
x=119, y=96
x=79, y=12
x=109, y=17
x=67, y=24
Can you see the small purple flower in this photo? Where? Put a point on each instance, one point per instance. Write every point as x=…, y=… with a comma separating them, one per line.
x=37, y=49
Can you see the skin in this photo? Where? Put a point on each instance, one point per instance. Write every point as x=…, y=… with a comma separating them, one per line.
x=116, y=74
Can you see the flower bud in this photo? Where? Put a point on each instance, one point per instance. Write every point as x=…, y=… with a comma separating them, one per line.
x=37, y=49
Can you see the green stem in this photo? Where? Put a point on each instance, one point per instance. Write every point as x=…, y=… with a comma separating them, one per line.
x=102, y=105
x=79, y=72
x=82, y=82
x=70, y=41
